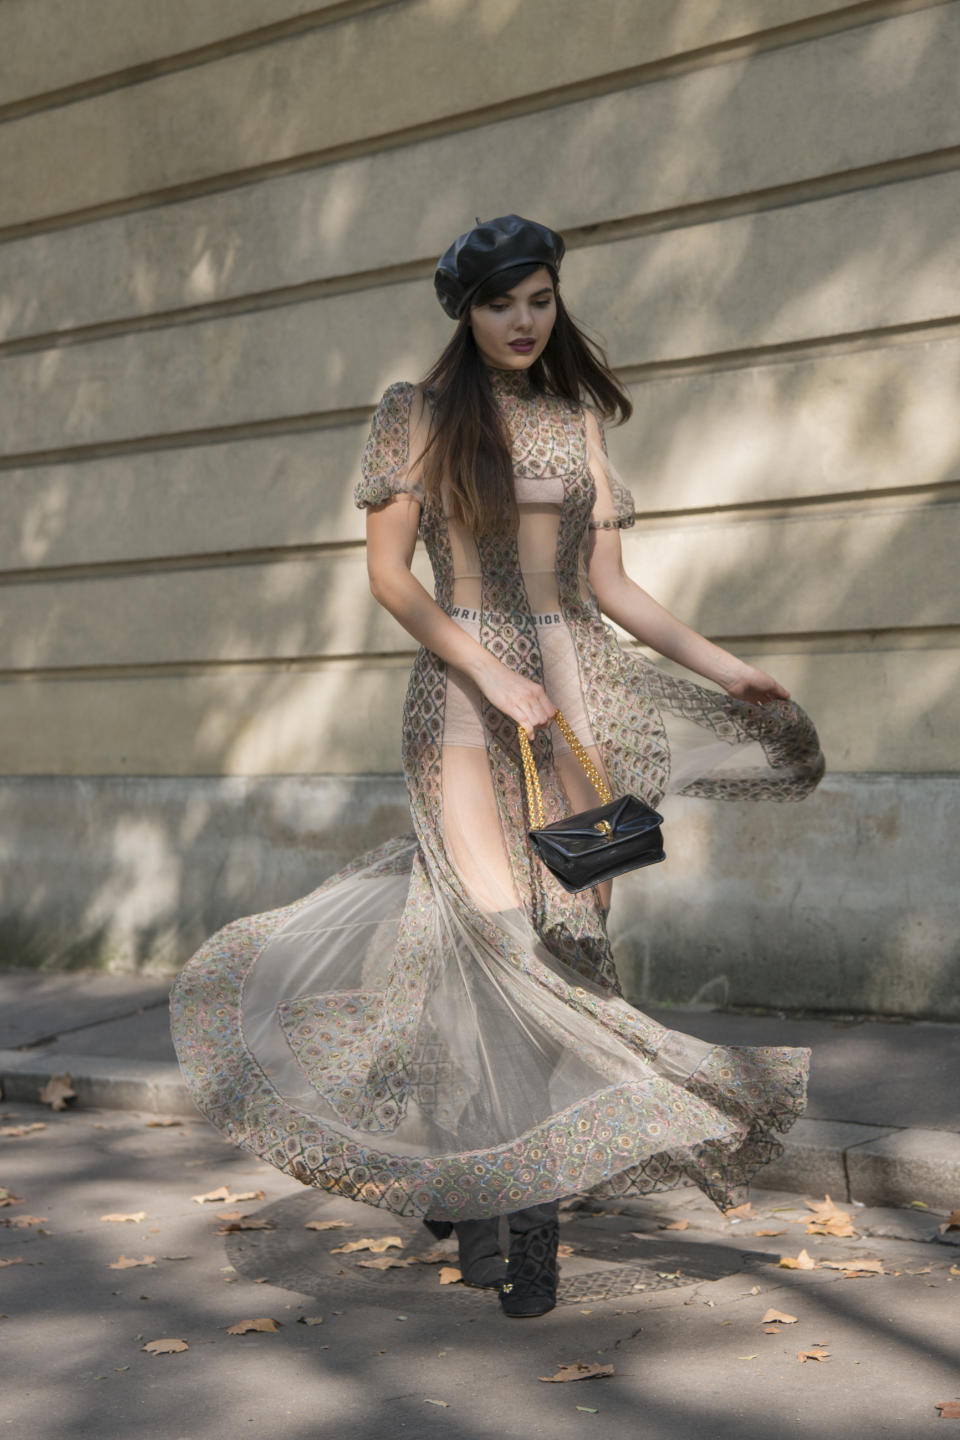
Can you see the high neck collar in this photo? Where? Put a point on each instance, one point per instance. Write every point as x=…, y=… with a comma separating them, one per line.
x=513, y=384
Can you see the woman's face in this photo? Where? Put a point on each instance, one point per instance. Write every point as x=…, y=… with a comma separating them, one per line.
x=512, y=329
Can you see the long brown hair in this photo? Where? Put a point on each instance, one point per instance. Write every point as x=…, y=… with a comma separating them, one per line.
x=469, y=447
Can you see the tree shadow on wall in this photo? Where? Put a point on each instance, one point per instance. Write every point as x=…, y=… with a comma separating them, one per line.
x=206, y=612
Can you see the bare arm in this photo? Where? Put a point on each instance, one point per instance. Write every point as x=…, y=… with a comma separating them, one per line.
x=391, y=539
x=627, y=605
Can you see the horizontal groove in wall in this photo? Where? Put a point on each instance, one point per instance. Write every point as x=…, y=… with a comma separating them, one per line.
x=832, y=642
x=148, y=70
x=221, y=309
x=746, y=358
x=776, y=37
x=281, y=665
x=837, y=642
x=899, y=498
x=750, y=357
x=162, y=564
x=814, y=642
x=187, y=439
x=896, y=497
x=748, y=202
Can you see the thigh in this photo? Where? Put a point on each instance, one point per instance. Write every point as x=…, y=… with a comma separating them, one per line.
x=472, y=833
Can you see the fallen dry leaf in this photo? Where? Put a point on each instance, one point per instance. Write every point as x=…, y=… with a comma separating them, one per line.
x=377, y=1247
x=7, y=1197
x=222, y=1195
x=16, y=1130
x=578, y=1371
x=924, y=1269
x=57, y=1091
x=24, y=1222
x=134, y=1219
x=802, y=1262
x=245, y=1223
x=565, y=1251
x=431, y=1257
x=863, y=1267
x=952, y=1222
x=265, y=1325
x=955, y=1269
x=230, y=1215
x=740, y=1212
x=949, y=1409
x=839, y=1228
x=386, y=1262
x=780, y=1316
x=817, y=1352
x=770, y=1232
x=165, y=1347
x=310, y=1320
x=125, y=1263
x=772, y=1330
x=823, y=1209
x=328, y=1225
x=17, y=1260
x=677, y=1225
x=449, y=1275
x=164, y=1124
x=746, y=1357
x=427, y=1401
x=829, y=1219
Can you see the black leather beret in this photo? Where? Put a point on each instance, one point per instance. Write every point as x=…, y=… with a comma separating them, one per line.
x=491, y=246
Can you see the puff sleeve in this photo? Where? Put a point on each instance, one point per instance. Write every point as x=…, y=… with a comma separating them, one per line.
x=389, y=466
x=614, y=506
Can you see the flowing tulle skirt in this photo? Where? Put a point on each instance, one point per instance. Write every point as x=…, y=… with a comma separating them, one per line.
x=377, y=1040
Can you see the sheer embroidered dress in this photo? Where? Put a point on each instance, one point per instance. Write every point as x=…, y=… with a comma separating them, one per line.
x=439, y=1028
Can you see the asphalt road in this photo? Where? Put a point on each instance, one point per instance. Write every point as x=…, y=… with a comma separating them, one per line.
x=677, y=1312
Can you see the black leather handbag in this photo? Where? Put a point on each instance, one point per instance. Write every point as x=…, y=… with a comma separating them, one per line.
x=585, y=849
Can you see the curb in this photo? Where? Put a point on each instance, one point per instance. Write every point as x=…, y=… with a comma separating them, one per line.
x=875, y=1165
x=100, y=1083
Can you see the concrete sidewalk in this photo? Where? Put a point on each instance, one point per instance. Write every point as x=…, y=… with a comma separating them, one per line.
x=882, y=1126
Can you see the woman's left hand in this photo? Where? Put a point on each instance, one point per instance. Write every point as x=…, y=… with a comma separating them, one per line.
x=755, y=686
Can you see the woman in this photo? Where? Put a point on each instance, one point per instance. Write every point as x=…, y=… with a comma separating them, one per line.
x=439, y=1029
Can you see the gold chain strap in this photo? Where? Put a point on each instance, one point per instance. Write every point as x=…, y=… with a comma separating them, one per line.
x=532, y=779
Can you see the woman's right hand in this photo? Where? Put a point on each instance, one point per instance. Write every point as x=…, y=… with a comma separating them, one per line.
x=523, y=700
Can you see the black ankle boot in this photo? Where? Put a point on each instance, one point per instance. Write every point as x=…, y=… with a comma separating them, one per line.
x=481, y=1260
x=531, y=1284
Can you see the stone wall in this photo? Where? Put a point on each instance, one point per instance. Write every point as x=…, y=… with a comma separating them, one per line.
x=217, y=229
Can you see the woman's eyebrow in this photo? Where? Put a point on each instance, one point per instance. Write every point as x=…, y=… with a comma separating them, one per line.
x=511, y=295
